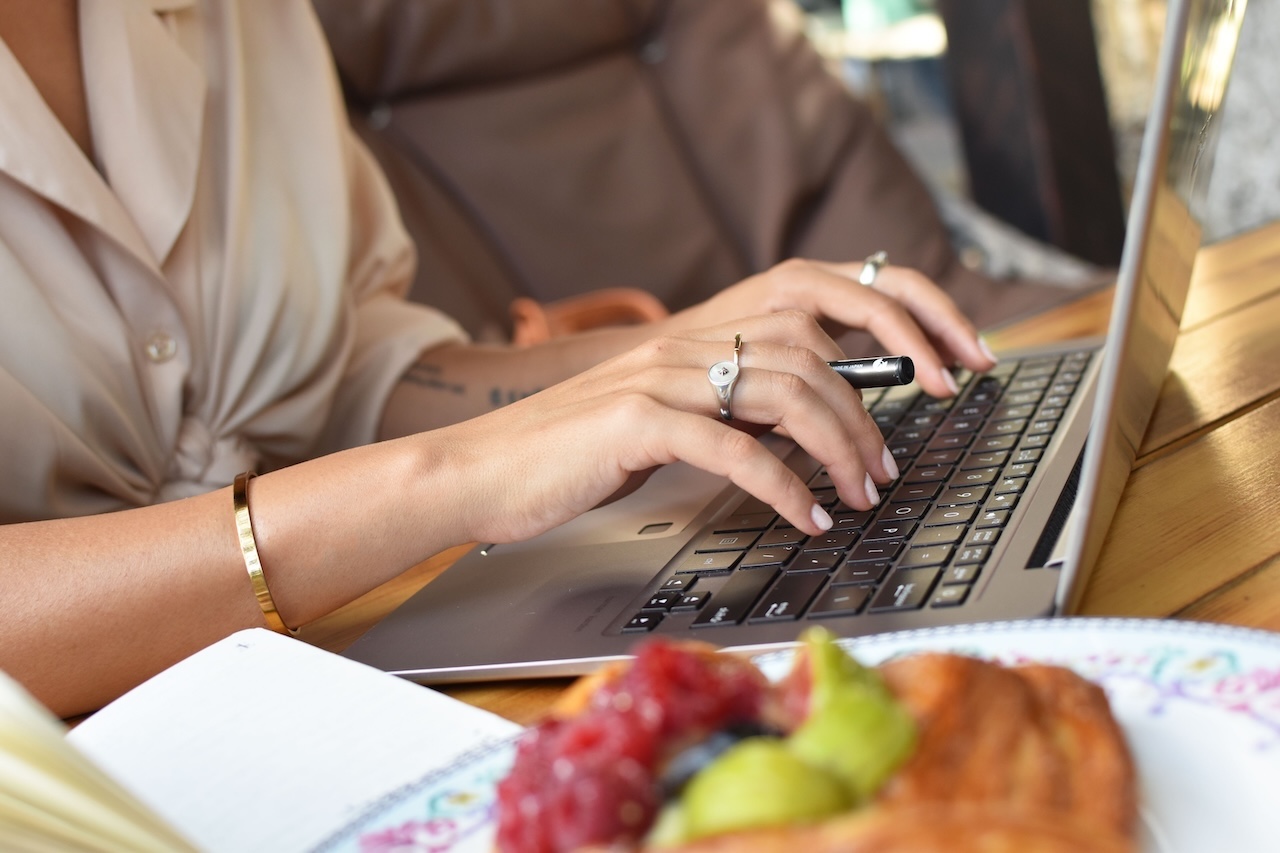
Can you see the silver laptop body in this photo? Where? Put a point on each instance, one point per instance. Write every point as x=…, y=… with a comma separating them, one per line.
x=583, y=594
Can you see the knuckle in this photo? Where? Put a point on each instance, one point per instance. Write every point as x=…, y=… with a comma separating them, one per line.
x=808, y=361
x=797, y=325
x=633, y=406
x=738, y=446
x=791, y=385
x=652, y=349
x=792, y=266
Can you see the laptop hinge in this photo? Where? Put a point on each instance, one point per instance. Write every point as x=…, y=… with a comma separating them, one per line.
x=1051, y=548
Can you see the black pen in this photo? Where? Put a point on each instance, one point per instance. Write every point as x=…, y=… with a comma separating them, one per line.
x=878, y=372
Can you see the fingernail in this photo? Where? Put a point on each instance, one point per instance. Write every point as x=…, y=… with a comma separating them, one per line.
x=820, y=517
x=890, y=464
x=872, y=494
x=986, y=349
x=950, y=382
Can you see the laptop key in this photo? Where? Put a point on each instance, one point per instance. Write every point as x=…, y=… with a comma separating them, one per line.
x=950, y=515
x=873, y=552
x=662, y=600
x=963, y=495
x=642, y=622
x=961, y=574
x=840, y=601
x=719, y=561
x=930, y=555
x=983, y=536
x=735, y=599
x=860, y=573
x=940, y=457
x=778, y=555
x=906, y=589
x=782, y=536
x=745, y=521
x=740, y=541
x=945, y=535
x=788, y=598
x=692, y=601
x=950, y=596
x=915, y=492
x=972, y=555
x=815, y=561
x=831, y=541
x=679, y=583
x=889, y=529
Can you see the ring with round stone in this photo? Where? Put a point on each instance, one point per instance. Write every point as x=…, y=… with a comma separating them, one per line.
x=723, y=375
x=871, y=268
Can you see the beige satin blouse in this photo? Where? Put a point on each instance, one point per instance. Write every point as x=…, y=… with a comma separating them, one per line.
x=221, y=291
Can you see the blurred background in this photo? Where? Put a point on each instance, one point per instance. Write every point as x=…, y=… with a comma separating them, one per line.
x=898, y=54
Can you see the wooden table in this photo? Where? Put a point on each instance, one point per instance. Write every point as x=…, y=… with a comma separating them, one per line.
x=1197, y=534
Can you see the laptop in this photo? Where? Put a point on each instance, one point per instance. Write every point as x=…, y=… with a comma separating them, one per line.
x=1005, y=496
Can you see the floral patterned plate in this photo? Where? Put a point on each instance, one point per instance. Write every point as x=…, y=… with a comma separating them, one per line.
x=1199, y=704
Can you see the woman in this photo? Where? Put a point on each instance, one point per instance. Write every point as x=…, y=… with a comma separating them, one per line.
x=204, y=275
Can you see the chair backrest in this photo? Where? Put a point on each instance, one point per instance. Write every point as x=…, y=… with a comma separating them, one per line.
x=548, y=149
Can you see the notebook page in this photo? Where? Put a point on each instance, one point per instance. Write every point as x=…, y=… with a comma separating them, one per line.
x=261, y=742
x=52, y=797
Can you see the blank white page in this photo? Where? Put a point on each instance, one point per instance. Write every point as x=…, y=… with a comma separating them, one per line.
x=262, y=742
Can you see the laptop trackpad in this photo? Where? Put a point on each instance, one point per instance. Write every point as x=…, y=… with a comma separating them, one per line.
x=669, y=500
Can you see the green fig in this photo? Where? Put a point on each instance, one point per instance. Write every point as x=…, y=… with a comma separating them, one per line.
x=755, y=783
x=855, y=728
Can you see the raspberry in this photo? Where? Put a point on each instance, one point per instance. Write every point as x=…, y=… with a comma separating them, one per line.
x=690, y=695
x=592, y=779
x=578, y=782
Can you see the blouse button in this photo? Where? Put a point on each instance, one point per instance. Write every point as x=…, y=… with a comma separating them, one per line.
x=161, y=347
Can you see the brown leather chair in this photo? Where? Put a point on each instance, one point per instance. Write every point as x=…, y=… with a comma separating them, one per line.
x=543, y=149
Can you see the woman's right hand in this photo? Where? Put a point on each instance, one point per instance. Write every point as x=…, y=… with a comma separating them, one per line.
x=541, y=461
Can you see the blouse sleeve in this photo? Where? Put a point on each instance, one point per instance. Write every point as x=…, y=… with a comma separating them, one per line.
x=390, y=332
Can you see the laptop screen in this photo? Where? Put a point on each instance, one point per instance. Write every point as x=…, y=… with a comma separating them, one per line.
x=1164, y=232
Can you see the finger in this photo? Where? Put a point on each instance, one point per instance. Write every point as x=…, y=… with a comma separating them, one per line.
x=849, y=449
x=823, y=413
x=793, y=327
x=714, y=446
x=940, y=317
x=937, y=313
x=826, y=291
x=793, y=388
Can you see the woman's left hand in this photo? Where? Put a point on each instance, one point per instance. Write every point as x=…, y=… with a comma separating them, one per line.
x=903, y=309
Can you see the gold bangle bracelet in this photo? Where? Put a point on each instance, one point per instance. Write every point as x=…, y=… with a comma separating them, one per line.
x=249, y=550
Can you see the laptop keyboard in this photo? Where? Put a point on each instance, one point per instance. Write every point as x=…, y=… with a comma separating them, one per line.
x=964, y=463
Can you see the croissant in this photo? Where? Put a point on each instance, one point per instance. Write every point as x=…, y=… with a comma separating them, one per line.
x=1017, y=758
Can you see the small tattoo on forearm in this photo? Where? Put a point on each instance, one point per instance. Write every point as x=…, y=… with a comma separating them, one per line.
x=429, y=376
x=499, y=397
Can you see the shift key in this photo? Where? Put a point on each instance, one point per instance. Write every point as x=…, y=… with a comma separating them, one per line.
x=905, y=589
x=789, y=598
x=731, y=604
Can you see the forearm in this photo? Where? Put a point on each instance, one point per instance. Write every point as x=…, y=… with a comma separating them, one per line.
x=455, y=382
x=91, y=606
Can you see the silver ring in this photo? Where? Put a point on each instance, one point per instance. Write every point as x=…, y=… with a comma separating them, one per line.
x=871, y=268
x=723, y=375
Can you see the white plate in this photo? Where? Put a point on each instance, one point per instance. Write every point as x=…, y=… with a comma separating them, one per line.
x=1199, y=705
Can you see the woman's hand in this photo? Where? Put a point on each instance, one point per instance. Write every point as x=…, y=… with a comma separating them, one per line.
x=543, y=460
x=905, y=311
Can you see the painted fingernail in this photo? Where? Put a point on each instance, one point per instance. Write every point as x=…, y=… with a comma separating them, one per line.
x=950, y=382
x=820, y=517
x=890, y=464
x=986, y=349
x=872, y=494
